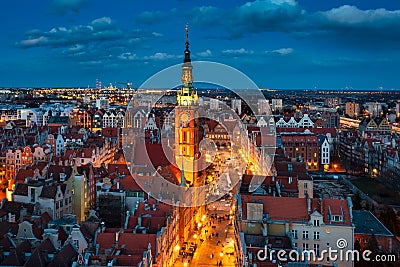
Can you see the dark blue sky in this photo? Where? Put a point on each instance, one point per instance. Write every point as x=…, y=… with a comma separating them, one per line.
x=277, y=43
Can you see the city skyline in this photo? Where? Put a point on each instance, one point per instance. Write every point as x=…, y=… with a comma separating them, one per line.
x=278, y=43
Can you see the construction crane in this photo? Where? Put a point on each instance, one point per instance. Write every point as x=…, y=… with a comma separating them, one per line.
x=128, y=84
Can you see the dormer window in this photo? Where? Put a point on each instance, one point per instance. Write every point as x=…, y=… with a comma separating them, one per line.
x=316, y=222
x=337, y=218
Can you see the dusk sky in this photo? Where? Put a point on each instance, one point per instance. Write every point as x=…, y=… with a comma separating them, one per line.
x=277, y=43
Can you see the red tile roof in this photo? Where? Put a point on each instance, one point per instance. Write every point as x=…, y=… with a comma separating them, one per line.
x=110, y=132
x=137, y=243
x=119, y=168
x=127, y=183
x=295, y=209
x=105, y=240
x=157, y=154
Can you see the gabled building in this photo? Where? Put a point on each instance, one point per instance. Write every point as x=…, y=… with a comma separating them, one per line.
x=375, y=125
x=304, y=224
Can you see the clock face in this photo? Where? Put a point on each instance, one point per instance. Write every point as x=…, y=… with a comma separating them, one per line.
x=184, y=118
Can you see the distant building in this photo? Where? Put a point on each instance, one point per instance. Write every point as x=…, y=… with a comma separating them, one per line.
x=374, y=109
x=304, y=122
x=82, y=118
x=352, y=109
x=277, y=104
x=303, y=146
x=236, y=105
x=333, y=102
x=325, y=150
x=263, y=106
x=398, y=109
x=214, y=104
x=377, y=125
x=102, y=103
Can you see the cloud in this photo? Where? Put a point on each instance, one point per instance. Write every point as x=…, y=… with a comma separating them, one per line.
x=206, y=53
x=205, y=16
x=102, y=29
x=128, y=56
x=150, y=17
x=377, y=24
x=237, y=52
x=282, y=51
x=159, y=56
x=288, y=16
x=99, y=29
x=351, y=15
x=265, y=16
x=64, y=6
x=101, y=40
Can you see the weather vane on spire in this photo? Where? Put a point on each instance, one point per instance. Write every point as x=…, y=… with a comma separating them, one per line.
x=187, y=35
x=187, y=52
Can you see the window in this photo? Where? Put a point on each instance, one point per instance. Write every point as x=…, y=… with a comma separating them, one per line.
x=290, y=167
x=305, y=246
x=294, y=234
x=32, y=194
x=305, y=234
x=337, y=218
x=305, y=185
x=316, y=249
x=316, y=222
x=316, y=235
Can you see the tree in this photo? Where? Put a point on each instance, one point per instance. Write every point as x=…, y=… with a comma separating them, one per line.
x=372, y=245
x=357, y=201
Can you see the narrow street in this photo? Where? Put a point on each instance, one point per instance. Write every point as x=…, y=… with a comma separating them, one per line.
x=218, y=240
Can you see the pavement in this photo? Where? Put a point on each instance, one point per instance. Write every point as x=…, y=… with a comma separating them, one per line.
x=210, y=251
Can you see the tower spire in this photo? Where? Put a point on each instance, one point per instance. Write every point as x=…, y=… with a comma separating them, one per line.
x=183, y=183
x=187, y=51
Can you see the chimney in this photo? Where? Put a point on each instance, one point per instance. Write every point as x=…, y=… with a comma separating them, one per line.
x=321, y=206
x=350, y=204
x=117, y=185
x=308, y=204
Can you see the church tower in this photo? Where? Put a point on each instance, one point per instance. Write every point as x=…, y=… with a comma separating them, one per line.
x=186, y=122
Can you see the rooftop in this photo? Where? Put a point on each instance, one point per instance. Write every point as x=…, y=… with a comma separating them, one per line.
x=366, y=223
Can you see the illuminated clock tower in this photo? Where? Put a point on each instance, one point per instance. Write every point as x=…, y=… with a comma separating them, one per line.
x=186, y=122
